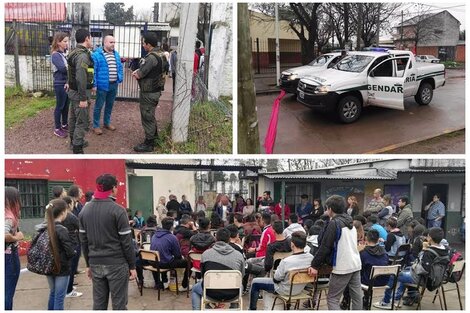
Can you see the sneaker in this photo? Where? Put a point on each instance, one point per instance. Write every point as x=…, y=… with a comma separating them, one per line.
x=65, y=128
x=382, y=305
x=166, y=285
x=60, y=133
x=74, y=294
x=182, y=289
x=74, y=288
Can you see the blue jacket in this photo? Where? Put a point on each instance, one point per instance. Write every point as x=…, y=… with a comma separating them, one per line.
x=167, y=245
x=101, y=79
x=305, y=211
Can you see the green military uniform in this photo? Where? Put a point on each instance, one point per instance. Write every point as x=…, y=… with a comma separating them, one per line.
x=151, y=85
x=80, y=80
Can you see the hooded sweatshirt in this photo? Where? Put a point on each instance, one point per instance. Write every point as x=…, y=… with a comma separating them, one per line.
x=167, y=245
x=292, y=228
x=338, y=246
x=394, y=240
x=370, y=256
x=222, y=257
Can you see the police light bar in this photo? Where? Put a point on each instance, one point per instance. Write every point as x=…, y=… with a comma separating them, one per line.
x=379, y=49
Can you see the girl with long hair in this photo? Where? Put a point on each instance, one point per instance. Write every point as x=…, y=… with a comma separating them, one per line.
x=12, y=237
x=63, y=250
x=59, y=46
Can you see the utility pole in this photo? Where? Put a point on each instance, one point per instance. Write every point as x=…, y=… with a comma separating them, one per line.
x=248, y=134
x=377, y=33
x=184, y=71
x=155, y=12
x=278, y=56
x=401, y=30
x=359, y=27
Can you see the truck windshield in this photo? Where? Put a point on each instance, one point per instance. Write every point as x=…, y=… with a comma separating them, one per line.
x=320, y=61
x=354, y=63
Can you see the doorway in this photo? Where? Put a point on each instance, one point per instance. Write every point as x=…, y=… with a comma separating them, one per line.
x=141, y=195
x=429, y=190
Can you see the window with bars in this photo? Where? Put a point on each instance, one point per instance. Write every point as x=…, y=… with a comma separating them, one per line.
x=33, y=195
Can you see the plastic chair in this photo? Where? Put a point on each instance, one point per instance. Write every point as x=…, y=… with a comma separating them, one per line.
x=296, y=277
x=457, y=271
x=380, y=271
x=223, y=279
x=154, y=258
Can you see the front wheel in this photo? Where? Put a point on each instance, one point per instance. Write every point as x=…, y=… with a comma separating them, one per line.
x=349, y=109
x=424, y=95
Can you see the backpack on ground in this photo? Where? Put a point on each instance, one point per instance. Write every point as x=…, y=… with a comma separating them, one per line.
x=438, y=272
x=40, y=257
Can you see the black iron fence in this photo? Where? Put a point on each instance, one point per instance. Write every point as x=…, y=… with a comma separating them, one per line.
x=30, y=27
x=264, y=54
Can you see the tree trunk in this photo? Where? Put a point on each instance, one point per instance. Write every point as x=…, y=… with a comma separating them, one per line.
x=248, y=134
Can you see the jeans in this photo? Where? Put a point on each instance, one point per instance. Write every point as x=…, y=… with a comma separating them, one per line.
x=338, y=283
x=58, y=288
x=106, y=98
x=108, y=279
x=403, y=278
x=12, y=273
x=177, y=263
x=61, y=112
x=434, y=223
x=196, y=295
x=258, y=284
x=74, y=267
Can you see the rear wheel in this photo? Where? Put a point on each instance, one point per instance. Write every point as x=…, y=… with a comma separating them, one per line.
x=349, y=109
x=424, y=95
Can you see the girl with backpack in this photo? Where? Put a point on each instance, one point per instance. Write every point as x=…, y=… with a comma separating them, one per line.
x=63, y=250
x=12, y=237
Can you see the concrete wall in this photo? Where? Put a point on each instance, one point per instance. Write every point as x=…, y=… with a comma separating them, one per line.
x=446, y=29
x=26, y=72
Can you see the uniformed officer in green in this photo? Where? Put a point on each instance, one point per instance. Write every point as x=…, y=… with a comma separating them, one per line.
x=151, y=83
x=80, y=80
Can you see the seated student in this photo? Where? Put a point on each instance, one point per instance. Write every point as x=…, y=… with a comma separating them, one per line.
x=251, y=226
x=281, y=244
x=170, y=254
x=293, y=226
x=220, y=257
x=421, y=267
x=148, y=230
x=373, y=223
x=238, y=221
x=394, y=238
x=280, y=282
x=312, y=238
x=372, y=254
x=201, y=241
x=183, y=232
x=418, y=237
x=308, y=224
x=138, y=219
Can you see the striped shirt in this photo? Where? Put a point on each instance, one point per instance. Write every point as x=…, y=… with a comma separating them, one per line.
x=112, y=66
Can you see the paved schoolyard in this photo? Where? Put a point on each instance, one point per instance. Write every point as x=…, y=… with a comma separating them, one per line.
x=32, y=294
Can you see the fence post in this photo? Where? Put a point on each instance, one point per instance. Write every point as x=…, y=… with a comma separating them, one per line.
x=257, y=56
x=16, y=55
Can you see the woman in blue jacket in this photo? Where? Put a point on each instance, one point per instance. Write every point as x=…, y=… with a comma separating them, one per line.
x=59, y=46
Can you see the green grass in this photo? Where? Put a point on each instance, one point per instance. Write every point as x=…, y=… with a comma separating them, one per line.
x=210, y=131
x=453, y=64
x=20, y=106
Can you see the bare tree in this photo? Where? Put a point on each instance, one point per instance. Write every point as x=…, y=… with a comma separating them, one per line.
x=424, y=29
x=143, y=15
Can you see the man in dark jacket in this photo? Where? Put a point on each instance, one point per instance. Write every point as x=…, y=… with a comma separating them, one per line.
x=170, y=254
x=80, y=81
x=220, y=257
x=183, y=232
x=107, y=247
x=422, y=267
x=173, y=206
x=281, y=244
x=202, y=240
x=185, y=206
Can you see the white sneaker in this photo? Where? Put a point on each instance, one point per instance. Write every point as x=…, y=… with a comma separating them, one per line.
x=183, y=289
x=382, y=305
x=74, y=294
x=165, y=285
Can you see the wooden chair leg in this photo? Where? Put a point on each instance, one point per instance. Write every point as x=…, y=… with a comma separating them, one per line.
x=274, y=303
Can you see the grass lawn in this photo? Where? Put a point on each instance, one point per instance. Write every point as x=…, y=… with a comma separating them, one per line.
x=20, y=106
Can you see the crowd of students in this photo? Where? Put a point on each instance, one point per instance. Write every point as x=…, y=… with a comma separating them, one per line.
x=234, y=237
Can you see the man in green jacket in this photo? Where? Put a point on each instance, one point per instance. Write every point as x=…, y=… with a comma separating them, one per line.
x=151, y=83
x=405, y=216
x=80, y=80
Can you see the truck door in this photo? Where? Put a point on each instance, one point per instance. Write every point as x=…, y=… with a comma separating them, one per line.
x=386, y=83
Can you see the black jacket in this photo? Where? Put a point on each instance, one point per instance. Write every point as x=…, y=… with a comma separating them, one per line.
x=202, y=241
x=276, y=246
x=71, y=223
x=66, y=249
x=173, y=206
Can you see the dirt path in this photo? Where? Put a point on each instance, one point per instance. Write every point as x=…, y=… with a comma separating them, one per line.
x=35, y=135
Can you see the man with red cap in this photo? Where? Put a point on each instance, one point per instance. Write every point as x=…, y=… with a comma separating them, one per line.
x=106, y=240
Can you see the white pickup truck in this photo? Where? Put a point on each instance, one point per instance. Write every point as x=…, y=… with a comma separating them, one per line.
x=382, y=79
x=290, y=78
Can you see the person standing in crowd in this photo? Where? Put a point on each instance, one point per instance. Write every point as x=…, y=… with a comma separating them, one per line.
x=224, y=208
x=71, y=223
x=108, y=75
x=185, y=206
x=197, y=58
x=88, y=196
x=266, y=204
x=376, y=204
x=435, y=212
x=12, y=236
x=76, y=193
x=405, y=216
x=200, y=204
x=151, y=83
x=80, y=81
x=63, y=250
x=249, y=208
x=160, y=211
x=304, y=209
x=317, y=210
x=239, y=204
x=353, y=207
x=221, y=256
x=387, y=211
x=173, y=64
x=334, y=250
x=293, y=226
x=107, y=246
x=173, y=206
x=278, y=210
x=60, y=44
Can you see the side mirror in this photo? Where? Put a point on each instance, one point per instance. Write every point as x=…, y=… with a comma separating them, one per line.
x=371, y=74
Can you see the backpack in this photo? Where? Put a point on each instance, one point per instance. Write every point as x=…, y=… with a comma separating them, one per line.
x=164, y=67
x=40, y=257
x=454, y=256
x=438, y=272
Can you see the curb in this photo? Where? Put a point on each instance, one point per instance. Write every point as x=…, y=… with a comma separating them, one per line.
x=413, y=141
x=267, y=92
